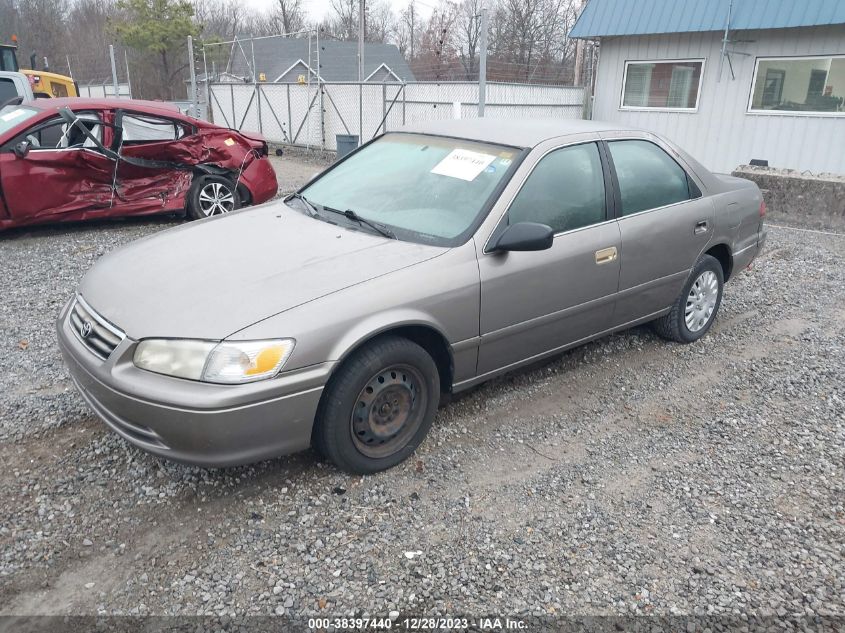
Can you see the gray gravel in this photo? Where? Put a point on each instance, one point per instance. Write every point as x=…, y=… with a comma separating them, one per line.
x=628, y=476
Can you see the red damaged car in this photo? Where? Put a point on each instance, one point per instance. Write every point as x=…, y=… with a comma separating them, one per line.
x=78, y=159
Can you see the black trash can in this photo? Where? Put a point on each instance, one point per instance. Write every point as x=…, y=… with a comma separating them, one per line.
x=345, y=144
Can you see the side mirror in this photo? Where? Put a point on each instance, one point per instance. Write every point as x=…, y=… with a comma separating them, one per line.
x=525, y=236
x=21, y=149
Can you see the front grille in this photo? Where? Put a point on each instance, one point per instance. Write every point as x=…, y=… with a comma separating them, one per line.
x=95, y=333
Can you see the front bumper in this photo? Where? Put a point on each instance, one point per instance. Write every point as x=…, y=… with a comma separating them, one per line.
x=198, y=423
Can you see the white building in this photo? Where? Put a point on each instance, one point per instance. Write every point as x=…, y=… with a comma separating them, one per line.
x=770, y=86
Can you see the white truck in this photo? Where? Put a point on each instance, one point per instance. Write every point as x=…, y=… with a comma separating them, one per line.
x=14, y=85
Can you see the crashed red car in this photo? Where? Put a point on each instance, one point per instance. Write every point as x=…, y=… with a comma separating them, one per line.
x=78, y=159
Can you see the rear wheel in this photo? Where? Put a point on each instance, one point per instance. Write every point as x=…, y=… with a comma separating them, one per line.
x=212, y=195
x=694, y=311
x=378, y=407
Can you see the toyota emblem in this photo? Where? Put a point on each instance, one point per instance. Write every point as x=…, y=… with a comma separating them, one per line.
x=85, y=330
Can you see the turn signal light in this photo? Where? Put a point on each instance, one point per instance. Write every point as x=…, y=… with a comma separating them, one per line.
x=762, y=208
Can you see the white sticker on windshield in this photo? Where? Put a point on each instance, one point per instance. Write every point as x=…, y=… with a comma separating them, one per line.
x=463, y=164
x=14, y=114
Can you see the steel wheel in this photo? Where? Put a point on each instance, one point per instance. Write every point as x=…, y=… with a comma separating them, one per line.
x=388, y=411
x=701, y=301
x=216, y=198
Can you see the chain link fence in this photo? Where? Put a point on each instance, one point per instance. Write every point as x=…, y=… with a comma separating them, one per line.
x=313, y=114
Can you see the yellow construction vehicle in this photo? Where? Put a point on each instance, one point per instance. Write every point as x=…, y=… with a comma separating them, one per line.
x=44, y=83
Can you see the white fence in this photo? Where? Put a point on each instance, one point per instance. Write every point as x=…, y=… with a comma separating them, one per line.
x=103, y=90
x=312, y=115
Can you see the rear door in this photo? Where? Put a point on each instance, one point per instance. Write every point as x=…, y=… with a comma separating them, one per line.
x=62, y=174
x=150, y=188
x=664, y=221
x=533, y=303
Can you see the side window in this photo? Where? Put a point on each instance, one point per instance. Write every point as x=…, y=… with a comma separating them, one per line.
x=648, y=176
x=565, y=190
x=8, y=90
x=138, y=129
x=58, y=134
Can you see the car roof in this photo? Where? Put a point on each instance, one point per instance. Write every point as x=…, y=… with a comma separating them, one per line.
x=515, y=132
x=84, y=103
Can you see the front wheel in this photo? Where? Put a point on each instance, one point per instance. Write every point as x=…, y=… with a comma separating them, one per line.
x=212, y=195
x=378, y=407
x=694, y=311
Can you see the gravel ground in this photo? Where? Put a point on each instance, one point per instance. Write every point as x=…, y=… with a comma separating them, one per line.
x=629, y=476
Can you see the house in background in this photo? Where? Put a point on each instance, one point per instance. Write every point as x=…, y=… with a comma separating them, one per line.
x=291, y=60
x=728, y=80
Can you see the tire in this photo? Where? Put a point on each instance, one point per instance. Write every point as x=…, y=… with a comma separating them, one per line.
x=212, y=195
x=694, y=312
x=378, y=407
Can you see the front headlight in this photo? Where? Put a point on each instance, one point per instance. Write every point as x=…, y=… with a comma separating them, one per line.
x=229, y=362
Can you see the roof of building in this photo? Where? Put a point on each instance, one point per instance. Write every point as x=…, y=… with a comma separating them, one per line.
x=513, y=132
x=604, y=18
x=338, y=60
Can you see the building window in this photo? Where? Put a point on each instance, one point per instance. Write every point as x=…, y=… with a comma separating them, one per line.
x=662, y=85
x=803, y=85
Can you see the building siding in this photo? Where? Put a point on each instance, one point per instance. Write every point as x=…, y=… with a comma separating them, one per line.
x=722, y=134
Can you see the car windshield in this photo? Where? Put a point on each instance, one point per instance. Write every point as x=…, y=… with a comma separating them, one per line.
x=10, y=116
x=423, y=188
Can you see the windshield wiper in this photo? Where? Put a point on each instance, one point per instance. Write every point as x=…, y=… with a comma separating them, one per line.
x=375, y=226
x=312, y=210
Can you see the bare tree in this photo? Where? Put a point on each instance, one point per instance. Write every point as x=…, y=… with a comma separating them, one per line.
x=343, y=23
x=381, y=22
x=469, y=34
x=289, y=16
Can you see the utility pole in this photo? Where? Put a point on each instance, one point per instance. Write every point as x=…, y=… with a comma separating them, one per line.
x=412, y=30
x=482, y=64
x=361, y=40
x=579, y=55
x=113, y=70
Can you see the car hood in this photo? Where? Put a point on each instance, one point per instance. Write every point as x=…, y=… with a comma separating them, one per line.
x=212, y=278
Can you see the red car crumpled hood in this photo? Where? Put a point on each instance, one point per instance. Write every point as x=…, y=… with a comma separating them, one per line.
x=212, y=278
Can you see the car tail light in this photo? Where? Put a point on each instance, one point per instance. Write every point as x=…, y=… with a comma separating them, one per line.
x=762, y=208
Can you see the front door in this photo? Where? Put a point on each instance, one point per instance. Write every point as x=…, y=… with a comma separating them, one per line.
x=61, y=175
x=664, y=222
x=533, y=303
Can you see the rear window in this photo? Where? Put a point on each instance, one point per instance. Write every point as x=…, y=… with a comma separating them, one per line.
x=149, y=129
x=11, y=116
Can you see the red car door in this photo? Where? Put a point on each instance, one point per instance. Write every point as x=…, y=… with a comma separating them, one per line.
x=145, y=187
x=61, y=174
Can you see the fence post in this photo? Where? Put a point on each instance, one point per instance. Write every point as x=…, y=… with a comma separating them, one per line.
x=260, y=118
x=113, y=72
x=290, y=116
x=232, y=93
x=482, y=66
x=404, y=85
x=322, y=114
x=383, y=108
x=193, y=75
x=360, y=113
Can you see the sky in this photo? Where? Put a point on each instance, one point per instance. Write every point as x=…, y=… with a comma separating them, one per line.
x=318, y=9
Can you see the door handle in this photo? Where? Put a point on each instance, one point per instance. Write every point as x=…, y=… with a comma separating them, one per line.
x=606, y=255
x=700, y=227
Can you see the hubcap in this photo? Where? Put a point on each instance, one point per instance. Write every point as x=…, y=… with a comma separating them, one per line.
x=216, y=198
x=388, y=411
x=701, y=301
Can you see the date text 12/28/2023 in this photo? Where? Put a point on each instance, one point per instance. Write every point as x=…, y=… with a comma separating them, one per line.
x=416, y=623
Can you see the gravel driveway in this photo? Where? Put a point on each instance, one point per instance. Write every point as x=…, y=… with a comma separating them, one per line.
x=628, y=476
